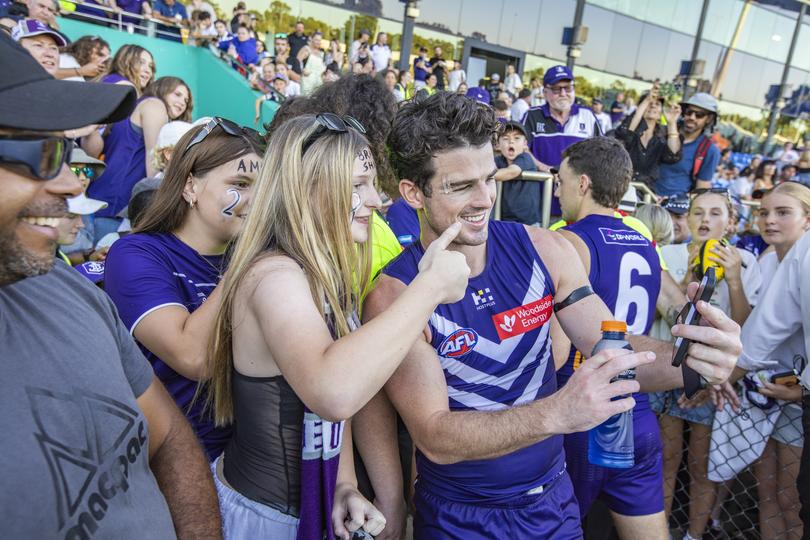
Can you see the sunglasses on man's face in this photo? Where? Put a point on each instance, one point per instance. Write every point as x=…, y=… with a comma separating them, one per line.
x=43, y=157
x=334, y=123
x=697, y=114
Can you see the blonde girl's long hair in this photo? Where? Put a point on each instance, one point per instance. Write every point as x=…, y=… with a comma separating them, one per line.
x=300, y=208
x=798, y=191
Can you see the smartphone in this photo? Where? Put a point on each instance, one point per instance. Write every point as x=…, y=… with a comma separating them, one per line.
x=787, y=378
x=692, y=381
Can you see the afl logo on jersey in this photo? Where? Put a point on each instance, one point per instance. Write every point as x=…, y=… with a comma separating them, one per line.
x=459, y=343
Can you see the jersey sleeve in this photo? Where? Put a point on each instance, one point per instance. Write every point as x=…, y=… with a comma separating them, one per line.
x=138, y=281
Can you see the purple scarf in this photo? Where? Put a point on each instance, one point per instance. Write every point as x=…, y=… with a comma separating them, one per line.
x=320, y=456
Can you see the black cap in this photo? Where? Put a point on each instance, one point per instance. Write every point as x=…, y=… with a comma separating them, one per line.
x=31, y=99
x=512, y=125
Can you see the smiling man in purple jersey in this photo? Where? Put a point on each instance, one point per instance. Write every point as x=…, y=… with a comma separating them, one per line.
x=625, y=272
x=479, y=393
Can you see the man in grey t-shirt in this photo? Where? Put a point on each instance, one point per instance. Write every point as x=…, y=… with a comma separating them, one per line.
x=93, y=446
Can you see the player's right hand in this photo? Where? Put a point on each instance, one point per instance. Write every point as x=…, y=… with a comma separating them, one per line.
x=586, y=400
x=448, y=270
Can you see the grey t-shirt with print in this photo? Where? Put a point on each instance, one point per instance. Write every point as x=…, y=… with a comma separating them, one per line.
x=74, y=453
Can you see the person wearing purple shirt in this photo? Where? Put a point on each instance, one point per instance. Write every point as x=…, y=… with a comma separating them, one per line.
x=479, y=93
x=164, y=278
x=404, y=222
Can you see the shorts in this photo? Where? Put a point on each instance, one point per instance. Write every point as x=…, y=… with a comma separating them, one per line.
x=244, y=518
x=667, y=403
x=788, y=427
x=550, y=514
x=637, y=491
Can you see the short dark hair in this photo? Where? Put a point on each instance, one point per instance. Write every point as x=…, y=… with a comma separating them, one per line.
x=442, y=122
x=606, y=162
x=220, y=20
x=203, y=15
x=500, y=105
x=524, y=93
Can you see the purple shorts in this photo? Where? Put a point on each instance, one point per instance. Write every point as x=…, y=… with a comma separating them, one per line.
x=550, y=514
x=638, y=491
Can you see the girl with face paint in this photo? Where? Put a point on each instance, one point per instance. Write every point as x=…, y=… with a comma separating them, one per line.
x=165, y=277
x=289, y=357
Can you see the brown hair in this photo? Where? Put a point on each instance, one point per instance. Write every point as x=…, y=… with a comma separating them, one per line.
x=606, y=162
x=127, y=63
x=165, y=86
x=442, y=122
x=83, y=48
x=168, y=209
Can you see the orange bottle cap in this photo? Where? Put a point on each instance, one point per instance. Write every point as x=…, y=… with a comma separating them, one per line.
x=614, y=326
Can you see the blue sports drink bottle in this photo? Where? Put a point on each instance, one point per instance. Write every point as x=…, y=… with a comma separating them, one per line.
x=610, y=444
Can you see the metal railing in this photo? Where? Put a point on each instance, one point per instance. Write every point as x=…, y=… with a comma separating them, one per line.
x=648, y=195
x=548, y=192
x=123, y=20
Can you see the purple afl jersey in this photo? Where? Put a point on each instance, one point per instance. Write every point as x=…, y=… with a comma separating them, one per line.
x=626, y=274
x=495, y=351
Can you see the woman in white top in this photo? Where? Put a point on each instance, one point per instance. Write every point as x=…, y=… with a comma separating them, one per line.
x=456, y=77
x=784, y=217
x=312, y=59
x=512, y=81
x=711, y=216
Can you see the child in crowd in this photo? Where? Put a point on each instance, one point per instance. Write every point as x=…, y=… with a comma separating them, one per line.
x=520, y=199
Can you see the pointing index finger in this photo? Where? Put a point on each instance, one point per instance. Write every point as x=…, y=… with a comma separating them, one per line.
x=447, y=237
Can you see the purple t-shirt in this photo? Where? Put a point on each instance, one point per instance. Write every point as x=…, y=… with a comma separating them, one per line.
x=145, y=272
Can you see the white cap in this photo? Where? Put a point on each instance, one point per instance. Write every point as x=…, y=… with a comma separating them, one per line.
x=495, y=77
x=629, y=200
x=170, y=133
x=82, y=205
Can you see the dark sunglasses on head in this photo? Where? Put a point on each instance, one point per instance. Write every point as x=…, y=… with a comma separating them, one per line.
x=331, y=122
x=698, y=114
x=231, y=128
x=43, y=157
x=88, y=171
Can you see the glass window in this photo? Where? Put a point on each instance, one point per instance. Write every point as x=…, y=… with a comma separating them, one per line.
x=519, y=24
x=722, y=19
x=624, y=45
x=446, y=13
x=651, y=62
x=554, y=16
x=600, y=28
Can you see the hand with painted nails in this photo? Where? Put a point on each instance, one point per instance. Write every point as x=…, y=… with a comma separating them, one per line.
x=447, y=269
x=716, y=344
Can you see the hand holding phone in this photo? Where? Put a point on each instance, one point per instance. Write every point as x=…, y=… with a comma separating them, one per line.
x=692, y=381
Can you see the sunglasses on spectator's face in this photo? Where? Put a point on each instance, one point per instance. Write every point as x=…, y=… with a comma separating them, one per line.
x=86, y=170
x=334, y=123
x=231, y=128
x=43, y=157
x=698, y=114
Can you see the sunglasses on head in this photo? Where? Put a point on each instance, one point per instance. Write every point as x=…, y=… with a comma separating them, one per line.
x=280, y=35
x=43, y=157
x=231, y=128
x=331, y=122
x=698, y=114
x=88, y=171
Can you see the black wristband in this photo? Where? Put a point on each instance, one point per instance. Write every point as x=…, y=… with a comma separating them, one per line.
x=575, y=296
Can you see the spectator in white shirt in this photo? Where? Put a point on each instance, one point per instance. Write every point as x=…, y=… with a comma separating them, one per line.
x=786, y=155
x=362, y=39
x=456, y=77
x=521, y=104
x=381, y=53
x=601, y=116
x=512, y=82
x=293, y=87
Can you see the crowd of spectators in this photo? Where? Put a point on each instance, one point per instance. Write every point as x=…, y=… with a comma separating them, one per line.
x=182, y=224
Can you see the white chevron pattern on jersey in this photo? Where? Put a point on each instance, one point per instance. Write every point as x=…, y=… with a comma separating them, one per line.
x=500, y=353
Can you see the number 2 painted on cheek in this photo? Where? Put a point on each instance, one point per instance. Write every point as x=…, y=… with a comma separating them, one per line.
x=237, y=197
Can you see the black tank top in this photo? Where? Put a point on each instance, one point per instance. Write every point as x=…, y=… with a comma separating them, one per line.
x=263, y=458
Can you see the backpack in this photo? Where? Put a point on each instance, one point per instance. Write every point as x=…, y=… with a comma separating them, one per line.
x=702, y=149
